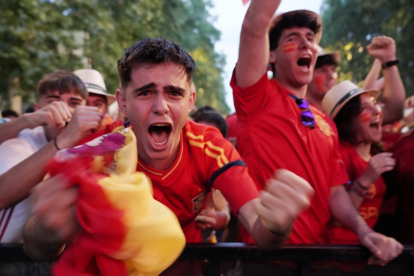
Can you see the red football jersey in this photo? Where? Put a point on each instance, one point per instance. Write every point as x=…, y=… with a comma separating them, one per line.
x=272, y=136
x=205, y=160
x=369, y=208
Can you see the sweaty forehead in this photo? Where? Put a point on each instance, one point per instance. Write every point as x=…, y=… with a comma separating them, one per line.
x=158, y=74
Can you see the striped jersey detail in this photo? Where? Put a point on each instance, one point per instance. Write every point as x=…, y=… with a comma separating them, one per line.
x=209, y=148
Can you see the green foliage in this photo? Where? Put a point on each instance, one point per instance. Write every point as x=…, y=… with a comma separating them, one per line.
x=349, y=26
x=41, y=36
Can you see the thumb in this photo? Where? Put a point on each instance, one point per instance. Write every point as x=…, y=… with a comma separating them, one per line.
x=368, y=243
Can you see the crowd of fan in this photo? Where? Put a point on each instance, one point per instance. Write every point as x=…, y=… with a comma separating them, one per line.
x=351, y=147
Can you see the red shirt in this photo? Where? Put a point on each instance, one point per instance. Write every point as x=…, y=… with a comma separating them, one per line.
x=369, y=208
x=272, y=136
x=205, y=160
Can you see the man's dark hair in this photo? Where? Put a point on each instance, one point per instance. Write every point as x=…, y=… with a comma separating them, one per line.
x=325, y=60
x=345, y=120
x=210, y=115
x=9, y=113
x=299, y=19
x=154, y=51
x=63, y=81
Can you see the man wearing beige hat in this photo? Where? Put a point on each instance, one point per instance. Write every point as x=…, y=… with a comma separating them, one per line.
x=96, y=87
x=278, y=128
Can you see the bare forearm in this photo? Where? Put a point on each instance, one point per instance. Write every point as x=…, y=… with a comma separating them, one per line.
x=41, y=244
x=369, y=82
x=16, y=183
x=11, y=129
x=344, y=211
x=394, y=95
x=267, y=239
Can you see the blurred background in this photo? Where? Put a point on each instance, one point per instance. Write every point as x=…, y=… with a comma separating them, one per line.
x=41, y=36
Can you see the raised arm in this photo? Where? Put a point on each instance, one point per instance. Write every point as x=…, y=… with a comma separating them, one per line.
x=254, y=42
x=269, y=219
x=373, y=75
x=55, y=114
x=384, y=49
x=15, y=185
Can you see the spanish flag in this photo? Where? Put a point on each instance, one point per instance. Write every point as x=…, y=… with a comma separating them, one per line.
x=124, y=230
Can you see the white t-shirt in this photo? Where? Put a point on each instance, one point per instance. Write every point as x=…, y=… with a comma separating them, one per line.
x=12, y=152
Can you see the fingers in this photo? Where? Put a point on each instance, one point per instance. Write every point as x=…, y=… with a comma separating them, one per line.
x=384, y=248
x=285, y=197
x=54, y=205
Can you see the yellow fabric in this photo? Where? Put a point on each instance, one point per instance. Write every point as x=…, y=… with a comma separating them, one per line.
x=154, y=239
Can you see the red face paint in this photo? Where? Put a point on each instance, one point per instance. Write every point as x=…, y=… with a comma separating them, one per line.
x=365, y=117
x=319, y=81
x=315, y=48
x=289, y=48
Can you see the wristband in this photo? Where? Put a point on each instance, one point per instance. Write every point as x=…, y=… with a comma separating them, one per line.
x=55, y=143
x=388, y=64
x=359, y=189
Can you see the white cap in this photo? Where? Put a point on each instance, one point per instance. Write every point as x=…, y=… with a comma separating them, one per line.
x=94, y=83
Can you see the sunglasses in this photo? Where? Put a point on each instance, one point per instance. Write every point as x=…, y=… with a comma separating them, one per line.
x=306, y=117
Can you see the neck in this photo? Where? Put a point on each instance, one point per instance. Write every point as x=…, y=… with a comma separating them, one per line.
x=315, y=101
x=160, y=164
x=363, y=150
x=298, y=91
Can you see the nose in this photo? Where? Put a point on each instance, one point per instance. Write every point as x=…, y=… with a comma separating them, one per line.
x=160, y=105
x=306, y=44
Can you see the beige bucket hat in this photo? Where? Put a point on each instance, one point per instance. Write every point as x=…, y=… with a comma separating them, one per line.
x=340, y=94
x=94, y=83
x=279, y=16
x=336, y=55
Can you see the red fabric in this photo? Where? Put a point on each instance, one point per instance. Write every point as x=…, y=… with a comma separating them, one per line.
x=108, y=128
x=103, y=231
x=185, y=185
x=369, y=208
x=232, y=124
x=271, y=136
x=402, y=178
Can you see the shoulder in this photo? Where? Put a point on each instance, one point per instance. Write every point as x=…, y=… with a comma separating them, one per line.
x=35, y=136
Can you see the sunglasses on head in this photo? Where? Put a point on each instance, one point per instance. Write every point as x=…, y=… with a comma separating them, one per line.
x=306, y=117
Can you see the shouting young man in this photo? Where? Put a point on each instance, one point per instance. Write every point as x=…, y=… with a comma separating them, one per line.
x=278, y=128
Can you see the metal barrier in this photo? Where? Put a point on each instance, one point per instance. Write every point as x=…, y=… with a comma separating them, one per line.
x=236, y=259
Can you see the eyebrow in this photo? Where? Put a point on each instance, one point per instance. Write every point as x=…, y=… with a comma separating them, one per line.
x=175, y=88
x=75, y=99
x=144, y=87
x=53, y=97
x=297, y=33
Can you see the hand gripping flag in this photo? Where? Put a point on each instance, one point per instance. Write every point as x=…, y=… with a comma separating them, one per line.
x=124, y=230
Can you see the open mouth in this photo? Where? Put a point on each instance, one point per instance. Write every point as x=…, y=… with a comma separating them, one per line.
x=159, y=133
x=304, y=61
x=374, y=125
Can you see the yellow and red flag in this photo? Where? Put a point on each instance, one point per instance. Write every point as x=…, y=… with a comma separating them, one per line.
x=124, y=230
x=289, y=48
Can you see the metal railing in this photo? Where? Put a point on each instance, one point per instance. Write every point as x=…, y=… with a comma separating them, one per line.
x=236, y=259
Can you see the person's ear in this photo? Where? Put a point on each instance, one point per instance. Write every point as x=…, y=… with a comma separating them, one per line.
x=192, y=100
x=272, y=56
x=120, y=98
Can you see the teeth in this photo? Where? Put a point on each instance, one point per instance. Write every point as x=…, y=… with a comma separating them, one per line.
x=159, y=144
x=160, y=125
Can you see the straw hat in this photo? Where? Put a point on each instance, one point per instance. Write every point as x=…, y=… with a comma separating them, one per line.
x=279, y=16
x=340, y=94
x=336, y=55
x=94, y=83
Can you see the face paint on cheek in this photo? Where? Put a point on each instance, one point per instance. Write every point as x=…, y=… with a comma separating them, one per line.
x=319, y=81
x=289, y=48
x=365, y=117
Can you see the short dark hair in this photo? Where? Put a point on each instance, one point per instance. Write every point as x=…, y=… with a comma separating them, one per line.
x=210, y=115
x=299, y=19
x=345, y=120
x=9, y=113
x=154, y=51
x=63, y=81
x=325, y=60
